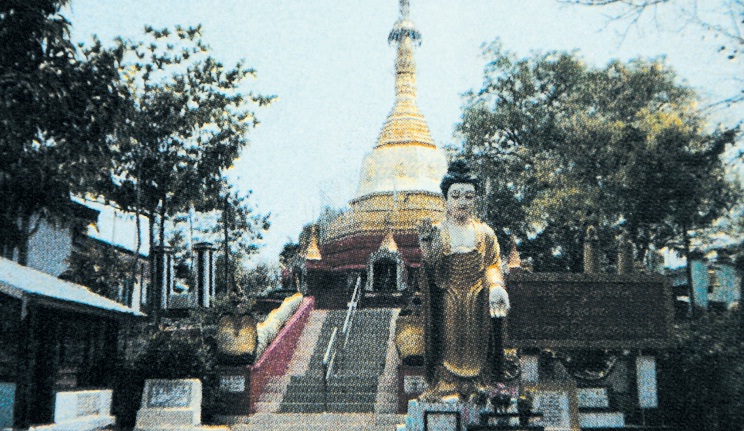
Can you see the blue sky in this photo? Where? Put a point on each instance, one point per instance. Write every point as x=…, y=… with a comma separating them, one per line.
x=331, y=67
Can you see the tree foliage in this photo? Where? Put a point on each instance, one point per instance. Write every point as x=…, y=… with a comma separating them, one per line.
x=702, y=383
x=188, y=120
x=722, y=19
x=57, y=107
x=101, y=268
x=562, y=145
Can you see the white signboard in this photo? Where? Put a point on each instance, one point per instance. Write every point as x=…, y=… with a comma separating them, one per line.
x=593, y=398
x=414, y=384
x=646, y=378
x=169, y=394
x=442, y=421
x=234, y=384
x=554, y=405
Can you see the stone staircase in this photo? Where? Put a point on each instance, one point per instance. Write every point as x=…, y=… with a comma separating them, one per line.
x=353, y=387
x=274, y=391
x=320, y=422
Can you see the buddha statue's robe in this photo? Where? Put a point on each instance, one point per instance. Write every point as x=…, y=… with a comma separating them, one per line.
x=458, y=331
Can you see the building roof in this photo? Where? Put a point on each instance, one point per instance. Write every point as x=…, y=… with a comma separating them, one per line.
x=115, y=226
x=27, y=283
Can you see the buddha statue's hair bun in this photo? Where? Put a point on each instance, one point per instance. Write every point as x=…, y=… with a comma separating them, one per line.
x=458, y=172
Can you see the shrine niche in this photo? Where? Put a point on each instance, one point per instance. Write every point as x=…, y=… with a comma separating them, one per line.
x=385, y=272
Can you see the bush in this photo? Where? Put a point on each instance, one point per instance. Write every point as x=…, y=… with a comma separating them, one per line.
x=182, y=353
x=703, y=375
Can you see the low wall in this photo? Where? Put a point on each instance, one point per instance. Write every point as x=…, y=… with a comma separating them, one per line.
x=80, y=411
x=275, y=359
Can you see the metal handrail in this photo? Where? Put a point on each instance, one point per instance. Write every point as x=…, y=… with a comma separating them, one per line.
x=329, y=358
x=351, y=312
x=330, y=354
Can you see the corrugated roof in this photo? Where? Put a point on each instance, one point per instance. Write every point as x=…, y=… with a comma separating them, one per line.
x=23, y=282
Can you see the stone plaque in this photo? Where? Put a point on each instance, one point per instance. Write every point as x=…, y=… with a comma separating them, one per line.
x=646, y=377
x=232, y=384
x=414, y=384
x=554, y=407
x=530, y=368
x=169, y=394
x=441, y=421
x=558, y=402
x=602, y=420
x=593, y=398
x=88, y=404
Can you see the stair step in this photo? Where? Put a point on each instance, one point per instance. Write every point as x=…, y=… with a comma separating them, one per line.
x=332, y=407
x=334, y=397
x=353, y=387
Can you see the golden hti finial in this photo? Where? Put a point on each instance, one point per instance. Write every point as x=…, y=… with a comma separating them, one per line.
x=313, y=250
x=405, y=124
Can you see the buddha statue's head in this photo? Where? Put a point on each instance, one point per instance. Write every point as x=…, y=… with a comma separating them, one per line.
x=459, y=188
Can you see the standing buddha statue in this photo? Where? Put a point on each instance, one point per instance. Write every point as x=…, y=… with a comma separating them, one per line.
x=463, y=287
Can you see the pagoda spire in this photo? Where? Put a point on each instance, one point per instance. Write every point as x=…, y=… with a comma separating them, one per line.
x=405, y=124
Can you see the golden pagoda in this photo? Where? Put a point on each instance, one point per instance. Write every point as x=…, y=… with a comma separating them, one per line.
x=398, y=184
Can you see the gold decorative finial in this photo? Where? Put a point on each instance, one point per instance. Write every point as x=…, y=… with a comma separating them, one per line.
x=388, y=243
x=405, y=124
x=405, y=8
x=313, y=250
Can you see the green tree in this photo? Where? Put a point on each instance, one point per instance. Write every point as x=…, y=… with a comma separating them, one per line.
x=234, y=227
x=721, y=19
x=238, y=231
x=188, y=120
x=100, y=268
x=707, y=352
x=57, y=108
x=562, y=145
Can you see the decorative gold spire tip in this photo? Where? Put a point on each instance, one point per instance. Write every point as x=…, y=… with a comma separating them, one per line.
x=388, y=243
x=313, y=250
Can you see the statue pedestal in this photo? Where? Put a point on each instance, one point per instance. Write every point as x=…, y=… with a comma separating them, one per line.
x=441, y=416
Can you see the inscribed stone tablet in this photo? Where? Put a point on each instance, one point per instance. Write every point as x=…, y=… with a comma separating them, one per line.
x=593, y=398
x=169, y=394
x=414, y=384
x=88, y=404
x=554, y=405
x=529, y=367
x=602, y=420
x=441, y=421
x=233, y=384
x=646, y=377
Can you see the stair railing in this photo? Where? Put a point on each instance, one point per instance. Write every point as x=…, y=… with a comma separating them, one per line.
x=329, y=359
x=351, y=311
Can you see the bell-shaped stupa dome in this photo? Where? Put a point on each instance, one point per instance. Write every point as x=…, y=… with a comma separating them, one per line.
x=399, y=180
